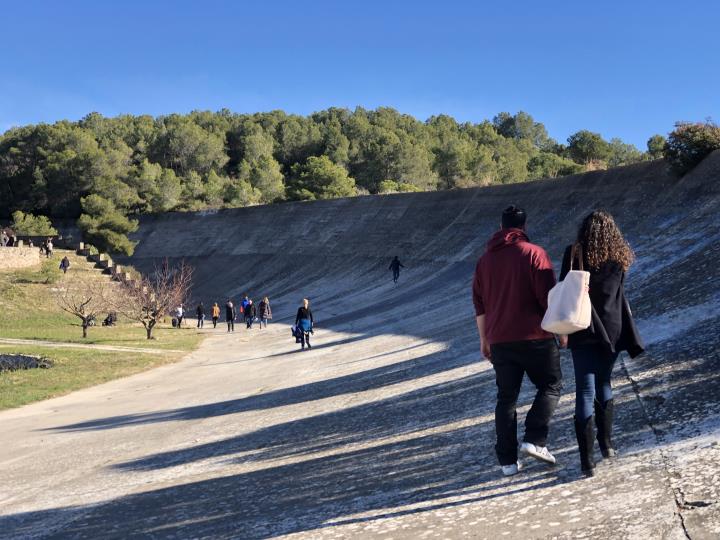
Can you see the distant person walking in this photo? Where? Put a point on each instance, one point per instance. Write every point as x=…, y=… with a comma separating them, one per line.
x=510, y=290
x=215, y=314
x=4, y=239
x=395, y=266
x=48, y=248
x=264, y=311
x=179, y=314
x=250, y=314
x=304, y=323
x=65, y=264
x=230, y=315
x=200, y=312
x=607, y=256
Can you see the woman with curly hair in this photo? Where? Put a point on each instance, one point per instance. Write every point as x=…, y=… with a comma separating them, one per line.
x=607, y=256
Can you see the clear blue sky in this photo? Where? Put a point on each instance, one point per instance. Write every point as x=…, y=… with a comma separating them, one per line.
x=625, y=69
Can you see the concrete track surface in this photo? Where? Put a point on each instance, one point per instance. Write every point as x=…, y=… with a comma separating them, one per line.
x=385, y=428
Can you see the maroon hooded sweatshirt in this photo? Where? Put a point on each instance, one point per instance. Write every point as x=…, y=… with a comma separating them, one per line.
x=511, y=285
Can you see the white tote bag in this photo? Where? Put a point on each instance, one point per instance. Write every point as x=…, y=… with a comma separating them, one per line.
x=569, y=308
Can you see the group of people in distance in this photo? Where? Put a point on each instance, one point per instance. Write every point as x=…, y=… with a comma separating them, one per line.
x=250, y=313
x=247, y=309
x=510, y=293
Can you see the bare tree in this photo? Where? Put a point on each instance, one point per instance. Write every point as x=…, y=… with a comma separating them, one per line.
x=86, y=298
x=150, y=298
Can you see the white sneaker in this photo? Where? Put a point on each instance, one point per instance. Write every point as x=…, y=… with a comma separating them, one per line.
x=509, y=470
x=538, y=452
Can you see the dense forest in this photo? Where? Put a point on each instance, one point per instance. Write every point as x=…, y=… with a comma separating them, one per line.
x=105, y=170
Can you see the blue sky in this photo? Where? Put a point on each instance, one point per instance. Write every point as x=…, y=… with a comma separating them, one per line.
x=625, y=69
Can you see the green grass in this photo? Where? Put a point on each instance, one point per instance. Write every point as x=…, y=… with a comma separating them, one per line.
x=28, y=311
x=74, y=369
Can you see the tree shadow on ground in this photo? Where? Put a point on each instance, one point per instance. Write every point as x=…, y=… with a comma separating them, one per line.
x=431, y=469
x=361, y=381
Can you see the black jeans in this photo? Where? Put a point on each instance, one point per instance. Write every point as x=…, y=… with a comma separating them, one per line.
x=231, y=324
x=540, y=359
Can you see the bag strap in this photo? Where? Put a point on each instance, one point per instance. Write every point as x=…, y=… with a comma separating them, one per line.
x=576, y=251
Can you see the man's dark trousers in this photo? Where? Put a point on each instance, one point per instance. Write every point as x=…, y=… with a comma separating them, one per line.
x=540, y=359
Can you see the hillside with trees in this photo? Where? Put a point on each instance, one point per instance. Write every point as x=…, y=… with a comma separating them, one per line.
x=104, y=171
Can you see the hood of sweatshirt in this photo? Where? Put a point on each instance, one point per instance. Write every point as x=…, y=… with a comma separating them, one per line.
x=506, y=237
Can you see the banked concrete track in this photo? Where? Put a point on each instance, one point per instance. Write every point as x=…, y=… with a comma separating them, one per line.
x=384, y=429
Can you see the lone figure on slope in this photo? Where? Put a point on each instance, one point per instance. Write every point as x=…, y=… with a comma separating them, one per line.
x=304, y=323
x=395, y=266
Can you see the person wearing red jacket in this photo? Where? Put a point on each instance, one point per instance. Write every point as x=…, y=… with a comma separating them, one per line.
x=510, y=290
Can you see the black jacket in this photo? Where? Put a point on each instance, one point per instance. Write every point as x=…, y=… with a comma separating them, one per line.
x=264, y=311
x=230, y=312
x=303, y=313
x=612, y=325
x=250, y=311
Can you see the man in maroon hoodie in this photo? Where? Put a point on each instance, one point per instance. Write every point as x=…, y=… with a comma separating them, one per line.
x=510, y=289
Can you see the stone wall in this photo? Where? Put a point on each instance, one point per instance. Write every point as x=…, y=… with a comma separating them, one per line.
x=18, y=257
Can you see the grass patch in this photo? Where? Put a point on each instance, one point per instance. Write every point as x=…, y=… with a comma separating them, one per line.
x=74, y=369
x=28, y=311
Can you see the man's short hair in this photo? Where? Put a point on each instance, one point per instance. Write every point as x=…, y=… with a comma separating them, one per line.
x=513, y=217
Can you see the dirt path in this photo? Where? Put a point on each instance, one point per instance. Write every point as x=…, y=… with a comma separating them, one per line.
x=64, y=345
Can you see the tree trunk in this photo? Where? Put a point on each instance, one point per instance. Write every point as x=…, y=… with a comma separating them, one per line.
x=149, y=327
x=84, y=327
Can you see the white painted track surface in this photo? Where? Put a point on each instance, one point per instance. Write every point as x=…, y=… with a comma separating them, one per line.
x=384, y=429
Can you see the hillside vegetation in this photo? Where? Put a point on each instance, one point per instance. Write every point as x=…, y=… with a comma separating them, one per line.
x=106, y=169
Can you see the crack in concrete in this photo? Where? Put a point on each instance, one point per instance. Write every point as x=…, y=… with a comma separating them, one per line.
x=677, y=492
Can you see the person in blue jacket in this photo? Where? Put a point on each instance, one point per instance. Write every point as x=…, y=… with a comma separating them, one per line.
x=304, y=322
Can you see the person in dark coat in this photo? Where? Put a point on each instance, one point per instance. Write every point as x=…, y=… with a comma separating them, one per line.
x=200, y=312
x=230, y=315
x=304, y=323
x=607, y=256
x=264, y=312
x=250, y=313
x=64, y=264
x=395, y=266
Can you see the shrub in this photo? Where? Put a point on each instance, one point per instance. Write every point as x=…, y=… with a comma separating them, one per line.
x=388, y=186
x=391, y=186
x=105, y=226
x=30, y=225
x=689, y=144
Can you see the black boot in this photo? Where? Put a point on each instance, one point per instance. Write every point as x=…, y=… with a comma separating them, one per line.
x=586, y=441
x=604, y=421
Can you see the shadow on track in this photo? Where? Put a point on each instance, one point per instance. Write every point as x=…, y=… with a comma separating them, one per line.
x=348, y=384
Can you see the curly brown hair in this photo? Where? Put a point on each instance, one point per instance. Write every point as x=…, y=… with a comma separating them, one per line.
x=602, y=241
